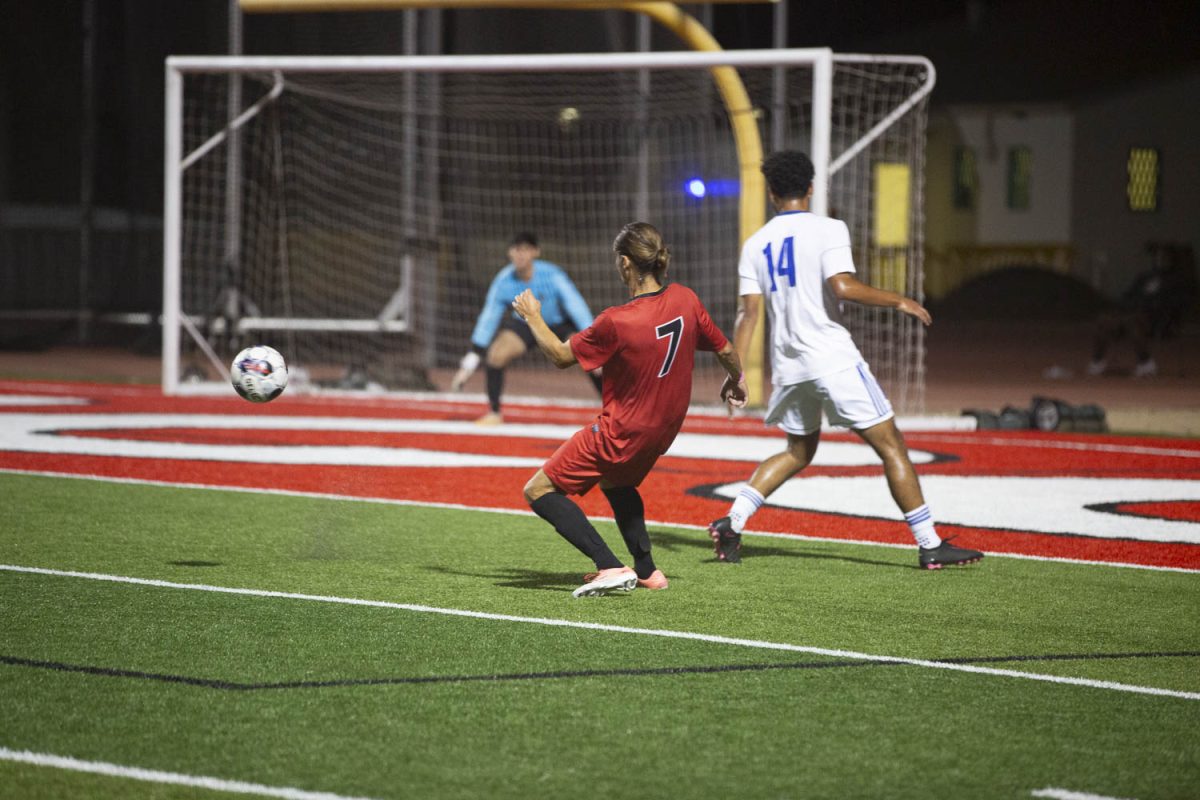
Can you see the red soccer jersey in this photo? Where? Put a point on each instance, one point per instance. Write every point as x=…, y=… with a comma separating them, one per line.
x=647, y=347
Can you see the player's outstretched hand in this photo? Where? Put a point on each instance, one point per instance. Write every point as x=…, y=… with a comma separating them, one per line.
x=526, y=305
x=915, y=309
x=734, y=393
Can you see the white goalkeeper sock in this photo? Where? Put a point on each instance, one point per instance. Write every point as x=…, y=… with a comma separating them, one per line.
x=470, y=362
x=747, y=502
x=920, y=522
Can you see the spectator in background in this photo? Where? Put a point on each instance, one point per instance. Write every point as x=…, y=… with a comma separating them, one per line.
x=501, y=335
x=1152, y=308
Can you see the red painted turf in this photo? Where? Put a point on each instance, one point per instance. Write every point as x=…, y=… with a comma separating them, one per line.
x=667, y=490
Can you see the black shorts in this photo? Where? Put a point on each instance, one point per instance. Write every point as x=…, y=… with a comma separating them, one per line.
x=521, y=328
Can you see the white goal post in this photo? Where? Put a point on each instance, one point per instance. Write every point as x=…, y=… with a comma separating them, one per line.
x=354, y=208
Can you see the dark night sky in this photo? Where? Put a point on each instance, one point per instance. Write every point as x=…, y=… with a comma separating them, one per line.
x=985, y=51
x=1024, y=50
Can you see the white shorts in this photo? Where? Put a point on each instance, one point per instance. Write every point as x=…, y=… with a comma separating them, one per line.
x=850, y=398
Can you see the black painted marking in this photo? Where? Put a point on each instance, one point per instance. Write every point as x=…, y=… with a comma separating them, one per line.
x=708, y=491
x=559, y=675
x=1118, y=509
x=109, y=672
x=524, y=676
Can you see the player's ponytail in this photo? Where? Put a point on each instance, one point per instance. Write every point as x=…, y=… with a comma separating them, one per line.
x=643, y=245
x=662, y=259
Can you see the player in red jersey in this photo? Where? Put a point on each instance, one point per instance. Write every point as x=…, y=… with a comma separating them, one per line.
x=647, y=348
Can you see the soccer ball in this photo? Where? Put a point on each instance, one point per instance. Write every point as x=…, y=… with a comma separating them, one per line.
x=259, y=374
x=568, y=119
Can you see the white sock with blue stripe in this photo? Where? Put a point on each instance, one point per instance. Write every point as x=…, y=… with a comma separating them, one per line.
x=920, y=522
x=747, y=502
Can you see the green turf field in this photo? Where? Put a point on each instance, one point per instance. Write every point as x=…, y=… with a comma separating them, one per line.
x=388, y=700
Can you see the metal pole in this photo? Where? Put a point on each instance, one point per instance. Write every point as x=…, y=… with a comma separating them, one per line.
x=429, y=290
x=233, y=176
x=409, y=134
x=822, y=130
x=172, y=220
x=87, y=158
x=642, y=205
x=779, y=82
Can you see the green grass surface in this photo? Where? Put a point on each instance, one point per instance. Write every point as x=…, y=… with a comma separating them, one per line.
x=790, y=724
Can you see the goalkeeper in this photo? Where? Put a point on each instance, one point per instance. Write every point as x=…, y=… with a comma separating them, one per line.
x=501, y=336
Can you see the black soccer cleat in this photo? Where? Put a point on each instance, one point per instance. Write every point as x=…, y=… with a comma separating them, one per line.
x=726, y=541
x=946, y=555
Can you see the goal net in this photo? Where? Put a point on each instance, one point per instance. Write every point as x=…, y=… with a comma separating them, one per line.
x=351, y=212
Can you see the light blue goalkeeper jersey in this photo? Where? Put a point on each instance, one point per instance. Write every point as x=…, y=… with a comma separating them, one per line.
x=560, y=300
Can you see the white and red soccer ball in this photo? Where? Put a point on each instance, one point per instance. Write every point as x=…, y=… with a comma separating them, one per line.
x=259, y=374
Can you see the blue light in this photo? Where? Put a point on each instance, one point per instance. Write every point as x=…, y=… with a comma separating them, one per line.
x=701, y=188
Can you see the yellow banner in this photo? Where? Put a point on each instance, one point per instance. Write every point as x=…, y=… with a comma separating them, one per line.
x=892, y=193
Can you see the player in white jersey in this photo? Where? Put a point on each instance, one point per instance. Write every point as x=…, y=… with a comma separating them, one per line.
x=802, y=265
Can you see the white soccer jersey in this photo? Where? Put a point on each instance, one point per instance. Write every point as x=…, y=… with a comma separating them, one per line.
x=788, y=261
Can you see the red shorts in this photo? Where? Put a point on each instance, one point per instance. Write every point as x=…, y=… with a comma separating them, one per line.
x=587, y=457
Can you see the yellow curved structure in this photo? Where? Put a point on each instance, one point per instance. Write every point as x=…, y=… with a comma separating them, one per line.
x=742, y=115
x=743, y=118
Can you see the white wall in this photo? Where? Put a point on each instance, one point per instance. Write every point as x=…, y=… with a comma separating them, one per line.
x=1048, y=132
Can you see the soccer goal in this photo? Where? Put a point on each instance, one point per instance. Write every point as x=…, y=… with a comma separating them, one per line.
x=351, y=212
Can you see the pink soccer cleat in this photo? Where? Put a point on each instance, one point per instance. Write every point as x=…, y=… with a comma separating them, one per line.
x=617, y=579
x=656, y=581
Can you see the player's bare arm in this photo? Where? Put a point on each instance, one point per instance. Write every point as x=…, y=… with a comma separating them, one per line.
x=847, y=287
x=747, y=318
x=530, y=310
x=733, y=390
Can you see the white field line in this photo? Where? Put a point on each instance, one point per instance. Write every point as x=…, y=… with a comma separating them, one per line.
x=1067, y=794
x=40, y=400
x=157, y=776
x=940, y=422
x=525, y=513
x=596, y=626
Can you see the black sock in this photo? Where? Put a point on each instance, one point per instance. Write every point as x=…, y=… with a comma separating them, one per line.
x=598, y=382
x=495, y=385
x=630, y=513
x=569, y=520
